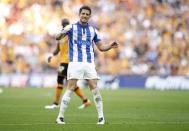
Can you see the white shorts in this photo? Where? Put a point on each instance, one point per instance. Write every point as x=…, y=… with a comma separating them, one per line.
x=81, y=70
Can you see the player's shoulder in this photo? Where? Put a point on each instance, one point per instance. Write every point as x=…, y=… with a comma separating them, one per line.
x=68, y=27
x=93, y=27
x=73, y=24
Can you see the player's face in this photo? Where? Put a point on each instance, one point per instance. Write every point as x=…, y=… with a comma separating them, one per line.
x=84, y=16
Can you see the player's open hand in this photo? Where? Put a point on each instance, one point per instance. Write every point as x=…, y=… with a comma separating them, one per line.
x=114, y=44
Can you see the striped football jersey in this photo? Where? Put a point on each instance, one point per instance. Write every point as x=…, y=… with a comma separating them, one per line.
x=81, y=42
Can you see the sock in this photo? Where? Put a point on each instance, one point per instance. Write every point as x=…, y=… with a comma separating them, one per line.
x=98, y=102
x=65, y=101
x=80, y=94
x=58, y=93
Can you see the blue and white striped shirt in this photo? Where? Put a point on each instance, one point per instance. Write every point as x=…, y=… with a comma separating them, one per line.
x=81, y=42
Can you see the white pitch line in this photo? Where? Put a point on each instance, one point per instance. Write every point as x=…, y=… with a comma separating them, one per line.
x=124, y=123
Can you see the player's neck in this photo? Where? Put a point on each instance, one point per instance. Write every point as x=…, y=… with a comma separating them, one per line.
x=83, y=24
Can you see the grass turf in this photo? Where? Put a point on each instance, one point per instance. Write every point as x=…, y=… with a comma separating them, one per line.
x=22, y=109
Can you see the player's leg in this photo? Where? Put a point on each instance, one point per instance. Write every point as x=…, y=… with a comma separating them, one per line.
x=58, y=92
x=77, y=90
x=97, y=100
x=85, y=100
x=74, y=73
x=92, y=77
x=59, y=89
x=65, y=100
x=62, y=72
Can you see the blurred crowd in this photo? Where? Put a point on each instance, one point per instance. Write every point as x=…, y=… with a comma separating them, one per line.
x=153, y=35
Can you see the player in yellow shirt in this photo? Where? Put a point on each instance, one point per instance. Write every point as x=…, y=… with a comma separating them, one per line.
x=62, y=50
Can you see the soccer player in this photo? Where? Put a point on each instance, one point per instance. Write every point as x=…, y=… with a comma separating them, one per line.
x=82, y=37
x=62, y=50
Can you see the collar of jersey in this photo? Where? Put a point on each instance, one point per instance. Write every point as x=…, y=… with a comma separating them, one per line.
x=82, y=25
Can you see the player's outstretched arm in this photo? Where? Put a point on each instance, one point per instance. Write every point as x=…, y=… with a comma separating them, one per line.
x=55, y=52
x=106, y=47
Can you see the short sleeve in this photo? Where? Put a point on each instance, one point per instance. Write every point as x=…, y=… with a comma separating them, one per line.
x=66, y=29
x=96, y=36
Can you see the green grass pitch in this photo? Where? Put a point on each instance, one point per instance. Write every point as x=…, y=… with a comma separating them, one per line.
x=125, y=110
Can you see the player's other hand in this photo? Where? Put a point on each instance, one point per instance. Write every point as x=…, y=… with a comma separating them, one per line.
x=114, y=44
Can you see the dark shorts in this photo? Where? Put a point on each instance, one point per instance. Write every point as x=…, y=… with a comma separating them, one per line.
x=62, y=69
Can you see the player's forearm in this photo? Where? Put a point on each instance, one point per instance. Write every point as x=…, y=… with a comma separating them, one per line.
x=59, y=36
x=103, y=47
x=55, y=52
